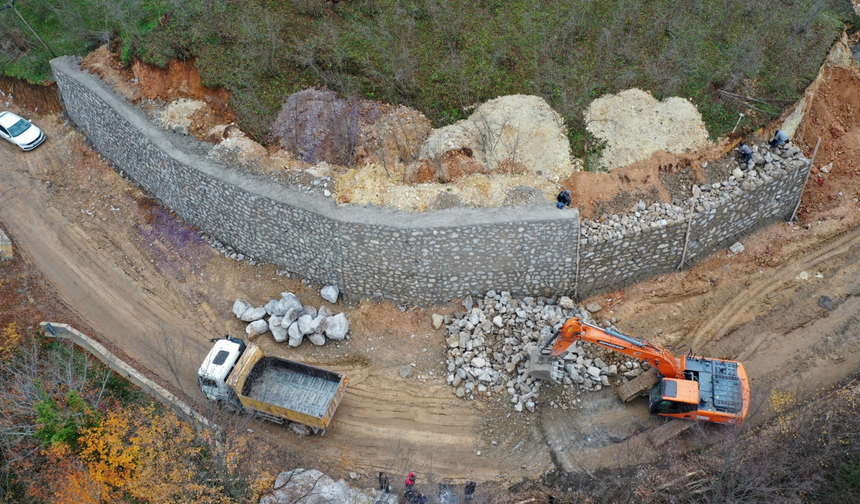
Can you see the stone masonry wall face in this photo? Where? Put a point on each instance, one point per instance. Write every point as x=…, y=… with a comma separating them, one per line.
x=608, y=264
x=394, y=255
x=417, y=258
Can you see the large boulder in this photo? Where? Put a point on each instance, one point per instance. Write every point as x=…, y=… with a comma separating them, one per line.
x=281, y=334
x=276, y=308
x=291, y=316
x=252, y=314
x=517, y=128
x=304, y=324
x=240, y=306
x=337, y=327
x=319, y=324
x=257, y=328
x=330, y=293
x=289, y=300
x=295, y=335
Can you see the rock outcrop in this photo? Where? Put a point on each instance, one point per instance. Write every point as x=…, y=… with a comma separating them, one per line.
x=634, y=125
x=517, y=130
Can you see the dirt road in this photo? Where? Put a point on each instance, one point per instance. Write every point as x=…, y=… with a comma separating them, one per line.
x=143, y=282
x=75, y=219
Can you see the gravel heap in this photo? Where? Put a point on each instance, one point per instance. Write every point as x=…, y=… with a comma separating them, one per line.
x=290, y=321
x=489, y=346
x=766, y=164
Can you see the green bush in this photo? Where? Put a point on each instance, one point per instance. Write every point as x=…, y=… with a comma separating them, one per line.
x=63, y=424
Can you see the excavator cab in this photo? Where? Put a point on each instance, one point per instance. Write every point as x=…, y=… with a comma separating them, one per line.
x=673, y=396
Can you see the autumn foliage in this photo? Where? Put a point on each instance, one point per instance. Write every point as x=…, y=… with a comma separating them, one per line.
x=70, y=434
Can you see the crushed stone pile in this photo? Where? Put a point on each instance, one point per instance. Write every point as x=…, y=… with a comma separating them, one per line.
x=766, y=164
x=489, y=346
x=290, y=321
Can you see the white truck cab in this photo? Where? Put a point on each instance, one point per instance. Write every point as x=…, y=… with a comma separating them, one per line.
x=217, y=366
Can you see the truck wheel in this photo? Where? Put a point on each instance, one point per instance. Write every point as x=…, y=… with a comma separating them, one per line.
x=301, y=430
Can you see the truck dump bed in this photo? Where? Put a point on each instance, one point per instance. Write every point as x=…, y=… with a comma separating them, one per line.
x=287, y=389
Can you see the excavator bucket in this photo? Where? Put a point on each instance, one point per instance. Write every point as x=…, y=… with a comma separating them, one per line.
x=543, y=366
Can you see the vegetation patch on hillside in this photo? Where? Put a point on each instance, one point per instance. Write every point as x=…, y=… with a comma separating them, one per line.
x=444, y=57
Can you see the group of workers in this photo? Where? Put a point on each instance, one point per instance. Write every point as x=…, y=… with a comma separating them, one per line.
x=779, y=139
x=412, y=495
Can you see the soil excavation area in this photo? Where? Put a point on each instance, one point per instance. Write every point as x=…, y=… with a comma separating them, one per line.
x=125, y=270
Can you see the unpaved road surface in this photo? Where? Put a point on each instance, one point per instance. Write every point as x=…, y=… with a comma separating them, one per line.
x=138, y=279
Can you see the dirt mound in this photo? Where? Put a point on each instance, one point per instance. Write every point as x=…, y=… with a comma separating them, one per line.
x=634, y=125
x=41, y=99
x=110, y=69
x=521, y=128
x=394, y=137
x=179, y=80
x=317, y=125
x=662, y=177
x=833, y=116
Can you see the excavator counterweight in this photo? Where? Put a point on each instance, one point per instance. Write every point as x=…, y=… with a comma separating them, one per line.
x=690, y=387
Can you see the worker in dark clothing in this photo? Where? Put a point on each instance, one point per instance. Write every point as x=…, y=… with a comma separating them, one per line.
x=470, y=490
x=384, y=483
x=413, y=496
x=410, y=495
x=746, y=154
x=563, y=199
x=779, y=139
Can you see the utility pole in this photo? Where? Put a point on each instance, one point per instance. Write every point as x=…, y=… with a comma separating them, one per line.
x=11, y=5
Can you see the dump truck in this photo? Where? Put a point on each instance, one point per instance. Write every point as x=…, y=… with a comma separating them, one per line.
x=242, y=377
x=690, y=387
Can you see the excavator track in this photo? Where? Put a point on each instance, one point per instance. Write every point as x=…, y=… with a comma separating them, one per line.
x=638, y=386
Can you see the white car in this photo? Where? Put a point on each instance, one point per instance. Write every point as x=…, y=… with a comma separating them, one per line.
x=20, y=131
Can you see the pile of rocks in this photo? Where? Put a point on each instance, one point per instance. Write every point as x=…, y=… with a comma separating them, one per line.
x=228, y=251
x=489, y=346
x=289, y=321
x=766, y=164
x=310, y=486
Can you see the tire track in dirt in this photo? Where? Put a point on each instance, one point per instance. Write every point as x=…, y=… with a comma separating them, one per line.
x=383, y=423
x=724, y=321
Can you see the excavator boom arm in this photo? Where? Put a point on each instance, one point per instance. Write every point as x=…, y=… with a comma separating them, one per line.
x=575, y=329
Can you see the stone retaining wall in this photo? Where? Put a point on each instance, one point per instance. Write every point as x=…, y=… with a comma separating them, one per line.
x=410, y=257
x=368, y=252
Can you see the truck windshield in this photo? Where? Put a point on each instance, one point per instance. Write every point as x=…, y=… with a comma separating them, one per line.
x=220, y=357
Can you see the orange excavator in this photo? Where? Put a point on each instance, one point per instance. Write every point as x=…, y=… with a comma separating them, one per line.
x=690, y=387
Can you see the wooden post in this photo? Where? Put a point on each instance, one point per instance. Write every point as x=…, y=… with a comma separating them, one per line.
x=809, y=166
x=687, y=236
x=578, y=246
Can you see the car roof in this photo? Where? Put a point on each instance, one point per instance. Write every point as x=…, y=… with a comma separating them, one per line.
x=8, y=118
